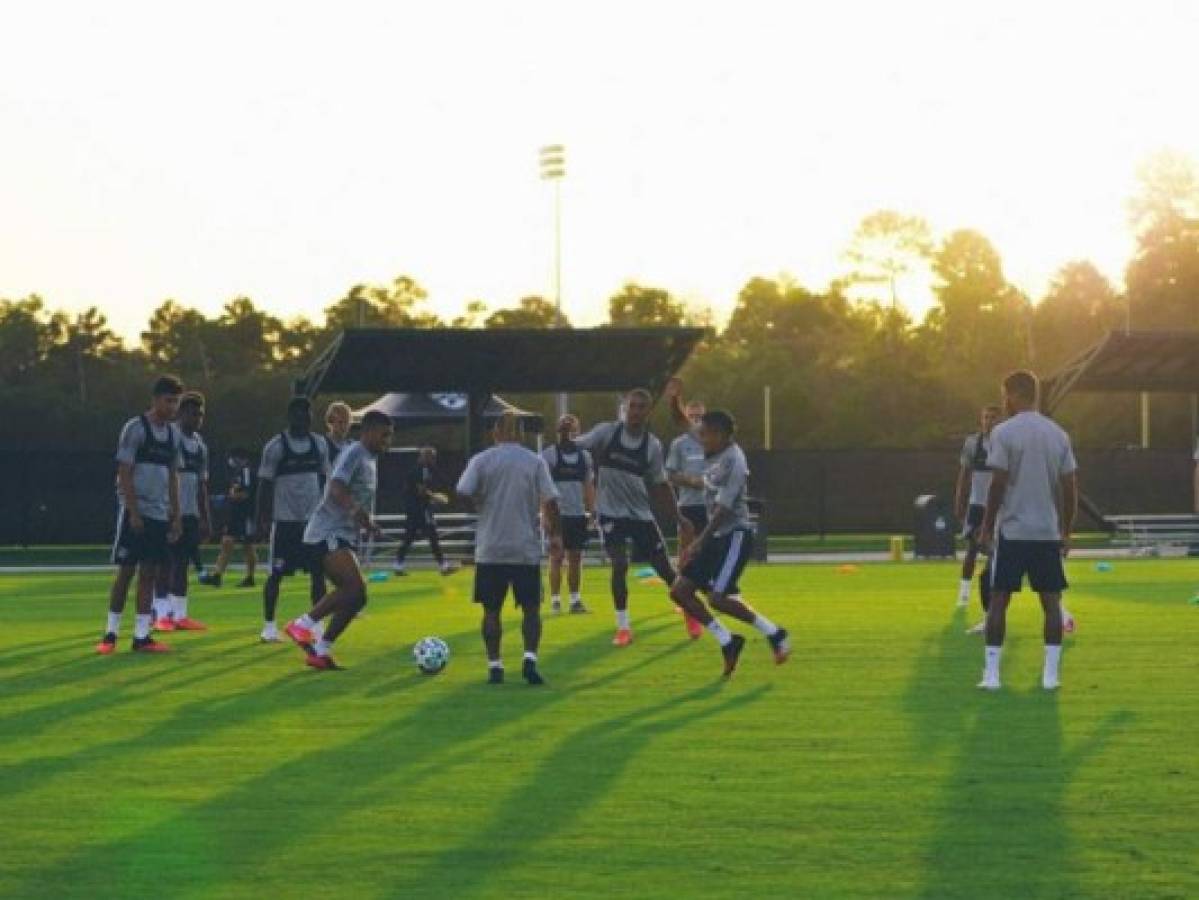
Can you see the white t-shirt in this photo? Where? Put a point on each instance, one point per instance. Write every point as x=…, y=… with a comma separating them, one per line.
x=508, y=483
x=1036, y=454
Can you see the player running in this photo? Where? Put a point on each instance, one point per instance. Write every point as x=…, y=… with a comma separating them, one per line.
x=509, y=485
x=970, y=501
x=574, y=477
x=629, y=464
x=332, y=533
x=715, y=559
x=1032, y=463
x=419, y=500
x=195, y=517
x=337, y=429
x=294, y=465
x=239, y=521
x=148, y=461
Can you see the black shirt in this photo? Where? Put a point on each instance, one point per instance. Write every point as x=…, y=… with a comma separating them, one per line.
x=418, y=476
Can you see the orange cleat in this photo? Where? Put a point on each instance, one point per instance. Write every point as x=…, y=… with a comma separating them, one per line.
x=149, y=645
x=624, y=637
x=298, y=633
x=189, y=624
x=165, y=624
x=322, y=663
x=695, y=627
x=107, y=645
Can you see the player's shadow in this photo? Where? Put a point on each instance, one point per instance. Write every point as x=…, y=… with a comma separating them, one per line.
x=14, y=654
x=228, y=835
x=933, y=699
x=567, y=784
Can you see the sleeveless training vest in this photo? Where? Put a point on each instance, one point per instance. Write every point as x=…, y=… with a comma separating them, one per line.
x=979, y=463
x=154, y=452
x=563, y=471
x=293, y=463
x=617, y=456
x=192, y=460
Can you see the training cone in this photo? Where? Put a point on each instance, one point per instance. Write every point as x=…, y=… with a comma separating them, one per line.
x=645, y=572
x=377, y=576
x=847, y=569
x=1103, y=567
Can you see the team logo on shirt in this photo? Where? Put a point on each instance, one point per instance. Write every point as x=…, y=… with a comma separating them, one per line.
x=452, y=402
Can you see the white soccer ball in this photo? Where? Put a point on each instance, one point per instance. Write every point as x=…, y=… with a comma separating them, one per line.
x=431, y=654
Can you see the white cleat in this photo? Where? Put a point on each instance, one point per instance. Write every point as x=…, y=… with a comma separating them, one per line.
x=270, y=636
x=980, y=628
x=989, y=684
x=1050, y=682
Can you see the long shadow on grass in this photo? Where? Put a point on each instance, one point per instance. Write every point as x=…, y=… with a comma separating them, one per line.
x=568, y=783
x=228, y=836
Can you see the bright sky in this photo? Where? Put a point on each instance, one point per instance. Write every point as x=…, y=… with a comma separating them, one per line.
x=289, y=150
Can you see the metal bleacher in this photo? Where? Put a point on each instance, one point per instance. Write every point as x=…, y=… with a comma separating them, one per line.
x=1157, y=535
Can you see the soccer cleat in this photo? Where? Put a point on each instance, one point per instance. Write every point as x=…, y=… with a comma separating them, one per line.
x=321, y=663
x=980, y=628
x=781, y=645
x=212, y=579
x=732, y=653
x=165, y=624
x=270, y=636
x=578, y=609
x=556, y=607
x=107, y=645
x=149, y=645
x=989, y=683
x=189, y=624
x=624, y=637
x=495, y=676
x=532, y=676
x=448, y=568
x=1050, y=682
x=399, y=570
x=298, y=633
x=246, y=582
x=695, y=628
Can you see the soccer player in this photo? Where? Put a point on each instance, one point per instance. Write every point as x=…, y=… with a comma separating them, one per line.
x=419, y=500
x=1030, y=514
x=717, y=556
x=574, y=477
x=509, y=485
x=332, y=533
x=239, y=524
x=337, y=429
x=195, y=516
x=974, y=480
x=294, y=465
x=628, y=460
x=148, y=461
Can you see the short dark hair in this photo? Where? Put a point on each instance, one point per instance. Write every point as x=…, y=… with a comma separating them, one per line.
x=375, y=419
x=192, y=400
x=721, y=421
x=1024, y=384
x=642, y=393
x=299, y=403
x=167, y=385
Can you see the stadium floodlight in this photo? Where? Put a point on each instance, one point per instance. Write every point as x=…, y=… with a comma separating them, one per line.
x=553, y=168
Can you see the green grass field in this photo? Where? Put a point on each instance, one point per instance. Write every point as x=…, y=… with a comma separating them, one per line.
x=868, y=766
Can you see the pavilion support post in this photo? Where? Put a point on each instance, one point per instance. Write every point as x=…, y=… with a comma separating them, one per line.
x=476, y=407
x=1144, y=420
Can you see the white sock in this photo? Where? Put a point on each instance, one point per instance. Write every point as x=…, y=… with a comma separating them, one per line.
x=622, y=618
x=161, y=609
x=323, y=647
x=141, y=628
x=306, y=621
x=1053, y=658
x=179, y=606
x=114, y=623
x=992, y=666
x=576, y=597
x=556, y=599
x=495, y=664
x=965, y=587
x=764, y=625
x=530, y=656
x=722, y=634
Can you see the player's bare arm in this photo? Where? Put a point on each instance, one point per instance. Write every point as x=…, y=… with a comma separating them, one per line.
x=176, y=526
x=961, y=493
x=265, y=504
x=995, y=496
x=1069, y=509
x=129, y=495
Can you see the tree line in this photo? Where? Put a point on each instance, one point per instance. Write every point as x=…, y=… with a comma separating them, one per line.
x=847, y=365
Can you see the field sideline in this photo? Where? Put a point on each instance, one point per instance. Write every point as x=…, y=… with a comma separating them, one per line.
x=868, y=766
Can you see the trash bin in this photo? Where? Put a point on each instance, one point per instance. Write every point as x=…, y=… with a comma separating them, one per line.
x=934, y=532
x=757, y=513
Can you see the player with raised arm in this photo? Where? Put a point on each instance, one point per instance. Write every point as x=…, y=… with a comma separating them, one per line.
x=509, y=486
x=631, y=476
x=332, y=534
x=148, y=520
x=1030, y=514
x=294, y=466
x=574, y=476
x=717, y=556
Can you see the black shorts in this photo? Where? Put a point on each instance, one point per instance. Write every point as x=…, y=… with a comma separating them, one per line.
x=492, y=581
x=696, y=515
x=317, y=552
x=420, y=521
x=574, y=532
x=288, y=553
x=646, y=537
x=719, y=565
x=185, y=549
x=131, y=548
x=1041, y=561
x=240, y=526
x=972, y=527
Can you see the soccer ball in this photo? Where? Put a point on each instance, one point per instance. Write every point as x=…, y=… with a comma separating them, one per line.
x=431, y=654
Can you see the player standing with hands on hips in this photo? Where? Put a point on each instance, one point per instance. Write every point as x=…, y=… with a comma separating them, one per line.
x=1030, y=514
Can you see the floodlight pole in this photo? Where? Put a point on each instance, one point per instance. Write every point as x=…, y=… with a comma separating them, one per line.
x=553, y=168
